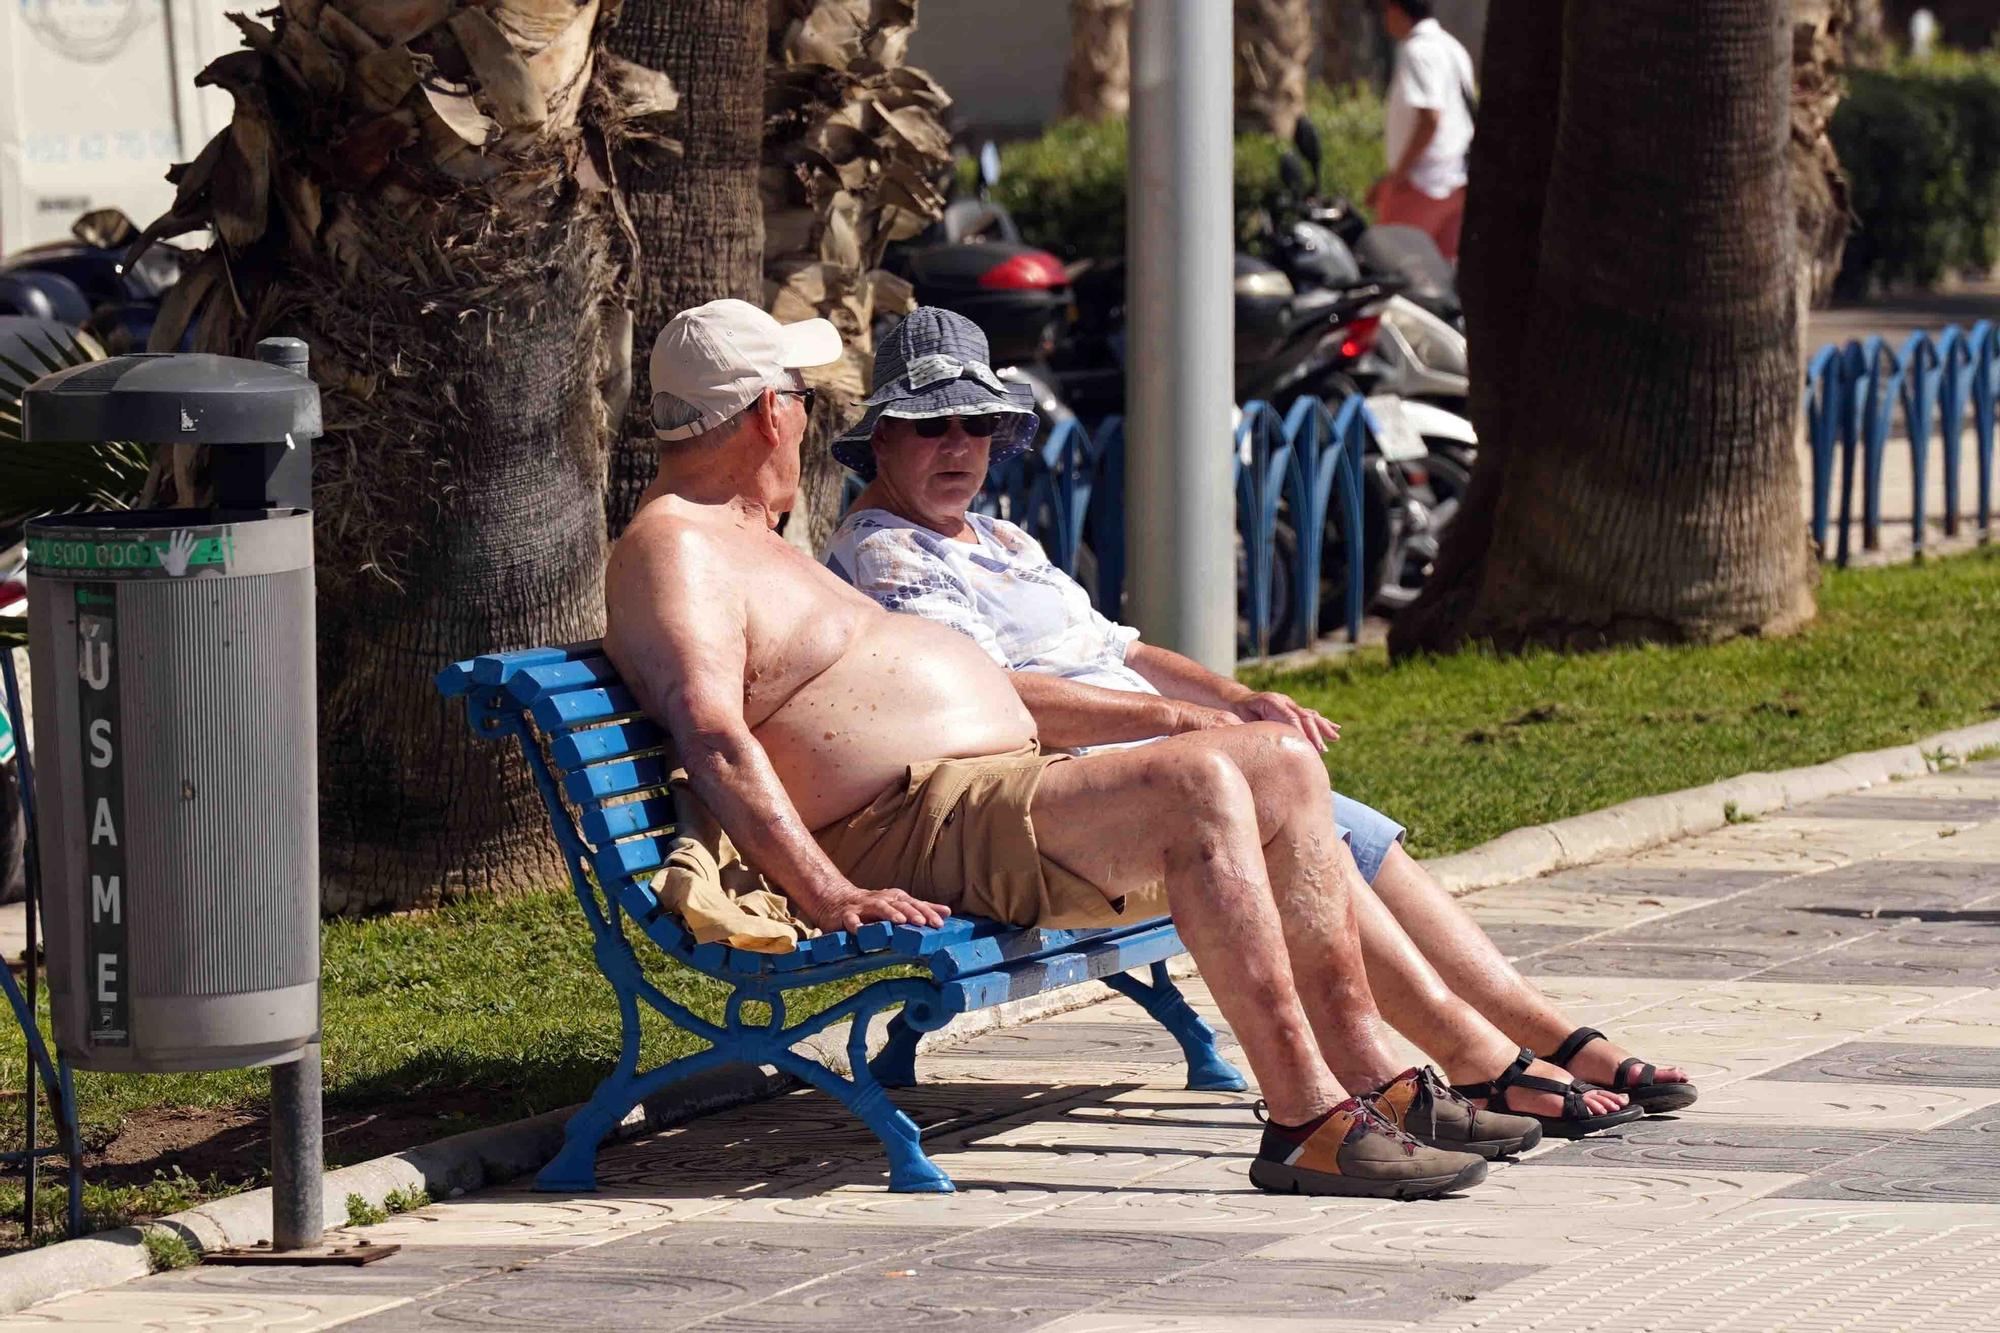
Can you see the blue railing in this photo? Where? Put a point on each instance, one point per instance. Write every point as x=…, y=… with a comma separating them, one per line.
x=1291, y=470
x=1853, y=395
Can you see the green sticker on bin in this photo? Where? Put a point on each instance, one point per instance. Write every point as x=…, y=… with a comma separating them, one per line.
x=174, y=553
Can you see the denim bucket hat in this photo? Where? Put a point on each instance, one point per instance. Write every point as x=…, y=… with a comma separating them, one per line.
x=934, y=364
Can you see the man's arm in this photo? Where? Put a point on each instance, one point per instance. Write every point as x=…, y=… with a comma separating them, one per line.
x=1179, y=677
x=686, y=670
x=1071, y=713
x=1421, y=134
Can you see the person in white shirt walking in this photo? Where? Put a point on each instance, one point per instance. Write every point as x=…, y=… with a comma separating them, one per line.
x=1428, y=126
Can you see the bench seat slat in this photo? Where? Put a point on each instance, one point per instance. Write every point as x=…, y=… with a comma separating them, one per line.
x=594, y=745
x=1018, y=944
x=1098, y=958
x=608, y=823
x=556, y=713
x=497, y=668
x=533, y=682
x=623, y=777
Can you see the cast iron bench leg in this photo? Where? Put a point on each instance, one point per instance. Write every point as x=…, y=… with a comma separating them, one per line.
x=1207, y=1070
x=895, y=1065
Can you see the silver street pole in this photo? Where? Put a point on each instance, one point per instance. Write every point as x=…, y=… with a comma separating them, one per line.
x=298, y=1160
x=1180, y=489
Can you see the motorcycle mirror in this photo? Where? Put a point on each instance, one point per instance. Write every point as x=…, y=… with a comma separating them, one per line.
x=989, y=165
x=1306, y=136
x=1293, y=173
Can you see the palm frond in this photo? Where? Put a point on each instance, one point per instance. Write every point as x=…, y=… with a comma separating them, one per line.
x=45, y=478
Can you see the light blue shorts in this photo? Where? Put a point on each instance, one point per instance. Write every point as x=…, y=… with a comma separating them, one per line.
x=1368, y=832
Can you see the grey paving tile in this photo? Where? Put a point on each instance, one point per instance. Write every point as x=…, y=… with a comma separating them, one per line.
x=664, y=1279
x=1678, y=881
x=1984, y=1121
x=1883, y=886
x=1705, y=1145
x=1778, y=932
x=1009, y=1277
x=1520, y=940
x=412, y=1270
x=1664, y=962
x=1925, y=1168
x=1931, y=809
x=1886, y=1062
x=1300, y=1289
x=1882, y=960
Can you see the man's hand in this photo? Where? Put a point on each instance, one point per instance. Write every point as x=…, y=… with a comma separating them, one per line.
x=1270, y=706
x=1200, y=717
x=847, y=909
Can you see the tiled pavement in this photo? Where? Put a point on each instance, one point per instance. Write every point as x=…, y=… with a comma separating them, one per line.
x=1831, y=976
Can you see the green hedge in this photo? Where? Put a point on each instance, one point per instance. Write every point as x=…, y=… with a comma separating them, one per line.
x=1920, y=141
x=1066, y=189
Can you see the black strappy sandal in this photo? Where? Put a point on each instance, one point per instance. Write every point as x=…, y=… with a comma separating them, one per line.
x=1653, y=1098
x=1575, y=1120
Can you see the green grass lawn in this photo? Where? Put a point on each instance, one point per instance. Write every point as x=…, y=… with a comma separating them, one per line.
x=485, y=1012
x=1464, y=748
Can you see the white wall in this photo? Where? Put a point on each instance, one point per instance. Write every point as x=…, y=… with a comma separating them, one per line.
x=88, y=112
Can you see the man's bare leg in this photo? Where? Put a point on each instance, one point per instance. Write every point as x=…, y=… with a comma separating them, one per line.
x=1327, y=910
x=1132, y=818
x=1465, y=957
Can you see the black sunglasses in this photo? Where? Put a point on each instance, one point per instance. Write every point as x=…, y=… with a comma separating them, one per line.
x=934, y=428
x=806, y=397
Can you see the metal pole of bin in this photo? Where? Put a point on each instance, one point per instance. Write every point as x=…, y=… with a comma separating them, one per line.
x=298, y=1146
x=1180, y=480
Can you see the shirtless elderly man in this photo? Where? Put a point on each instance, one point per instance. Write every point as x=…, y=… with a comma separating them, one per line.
x=878, y=767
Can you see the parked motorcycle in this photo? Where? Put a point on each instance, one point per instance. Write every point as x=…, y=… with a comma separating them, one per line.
x=86, y=284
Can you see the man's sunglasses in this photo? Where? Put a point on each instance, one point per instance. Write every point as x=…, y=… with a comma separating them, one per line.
x=935, y=428
x=806, y=397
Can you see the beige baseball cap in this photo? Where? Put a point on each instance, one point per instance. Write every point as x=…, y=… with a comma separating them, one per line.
x=711, y=362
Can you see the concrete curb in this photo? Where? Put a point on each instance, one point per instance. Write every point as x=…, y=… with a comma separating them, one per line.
x=482, y=1157
x=1634, y=826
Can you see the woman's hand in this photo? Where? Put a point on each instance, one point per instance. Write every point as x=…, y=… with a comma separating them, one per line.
x=1270, y=706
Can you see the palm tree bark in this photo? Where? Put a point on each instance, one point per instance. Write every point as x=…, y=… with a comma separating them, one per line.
x=1349, y=43
x=1274, y=41
x=700, y=228
x=1097, y=80
x=413, y=189
x=1645, y=487
x=855, y=150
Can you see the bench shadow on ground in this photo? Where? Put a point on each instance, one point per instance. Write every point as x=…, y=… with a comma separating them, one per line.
x=802, y=1145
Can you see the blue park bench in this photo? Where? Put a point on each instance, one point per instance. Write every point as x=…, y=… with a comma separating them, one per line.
x=602, y=769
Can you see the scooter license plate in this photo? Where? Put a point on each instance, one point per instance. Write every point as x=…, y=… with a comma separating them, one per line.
x=1397, y=438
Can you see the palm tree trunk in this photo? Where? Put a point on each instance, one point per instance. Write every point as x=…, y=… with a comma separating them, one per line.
x=1349, y=43
x=1273, y=48
x=1647, y=488
x=412, y=190
x=1500, y=263
x=1097, y=81
x=855, y=152
x=700, y=229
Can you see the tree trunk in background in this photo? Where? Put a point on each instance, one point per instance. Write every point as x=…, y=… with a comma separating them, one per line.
x=700, y=227
x=855, y=156
x=1819, y=189
x=1350, y=43
x=1867, y=34
x=1097, y=81
x=1513, y=149
x=432, y=226
x=1646, y=487
x=1273, y=47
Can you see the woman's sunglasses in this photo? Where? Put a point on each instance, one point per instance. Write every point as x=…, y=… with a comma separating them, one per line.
x=935, y=428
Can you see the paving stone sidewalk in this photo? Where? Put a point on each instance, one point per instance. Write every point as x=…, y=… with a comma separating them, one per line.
x=1831, y=976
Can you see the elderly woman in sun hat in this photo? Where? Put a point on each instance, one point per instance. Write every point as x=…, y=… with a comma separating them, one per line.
x=937, y=419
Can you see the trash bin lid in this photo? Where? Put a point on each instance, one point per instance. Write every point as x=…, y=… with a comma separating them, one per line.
x=172, y=398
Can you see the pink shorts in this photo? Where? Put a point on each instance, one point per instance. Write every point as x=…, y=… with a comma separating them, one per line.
x=1441, y=219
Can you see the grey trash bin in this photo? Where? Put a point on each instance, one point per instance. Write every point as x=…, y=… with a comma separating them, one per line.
x=175, y=732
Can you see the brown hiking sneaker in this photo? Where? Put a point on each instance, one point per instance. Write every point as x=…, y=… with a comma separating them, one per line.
x=1421, y=1104
x=1352, y=1150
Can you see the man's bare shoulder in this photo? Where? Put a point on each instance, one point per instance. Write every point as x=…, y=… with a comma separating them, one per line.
x=670, y=532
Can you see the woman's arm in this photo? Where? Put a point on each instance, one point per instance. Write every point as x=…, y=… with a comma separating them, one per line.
x=1179, y=677
x=1069, y=713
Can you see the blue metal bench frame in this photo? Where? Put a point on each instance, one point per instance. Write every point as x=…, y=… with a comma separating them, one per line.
x=602, y=770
